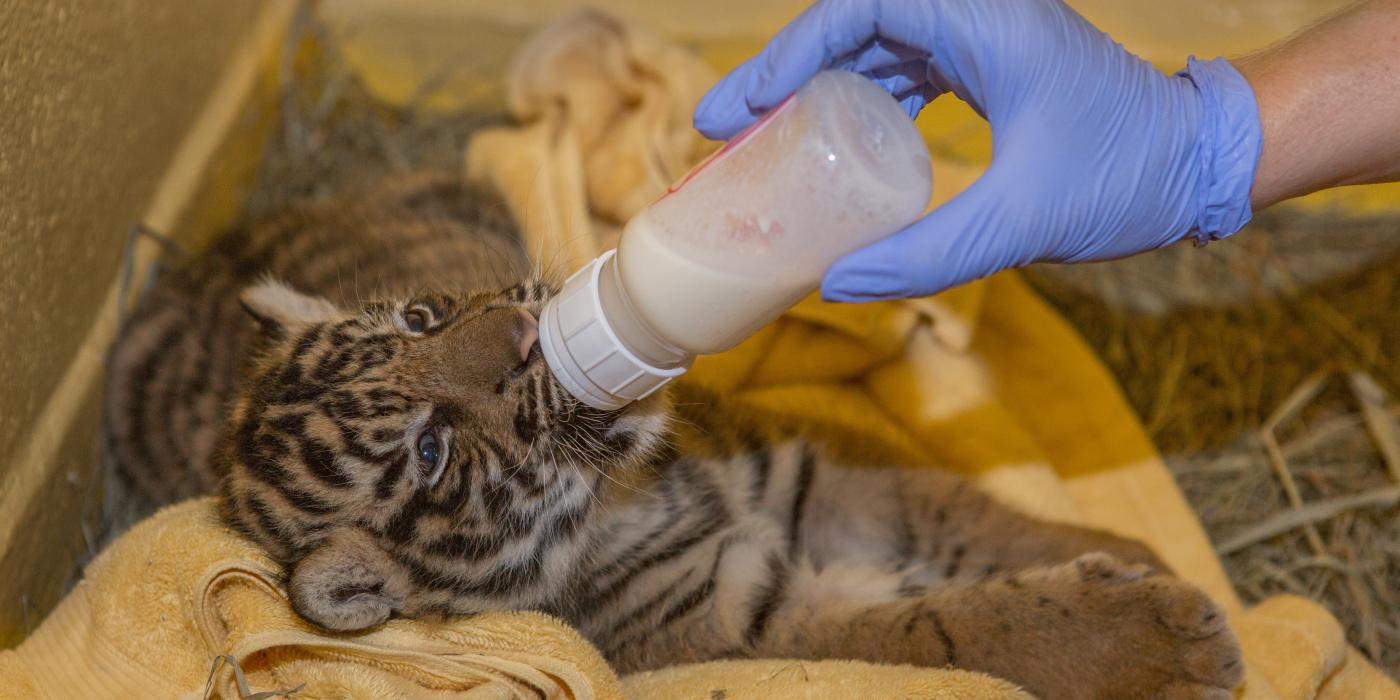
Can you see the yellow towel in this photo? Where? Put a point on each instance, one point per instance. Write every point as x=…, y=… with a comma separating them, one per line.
x=158, y=607
x=985, y=379
x=179, y=591
x=772, y=680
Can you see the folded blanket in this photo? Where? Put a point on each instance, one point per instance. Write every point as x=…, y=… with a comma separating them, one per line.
x=181, y=603
x=180, y=592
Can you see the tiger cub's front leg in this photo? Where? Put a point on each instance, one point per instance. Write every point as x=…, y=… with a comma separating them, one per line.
x=1094, y=627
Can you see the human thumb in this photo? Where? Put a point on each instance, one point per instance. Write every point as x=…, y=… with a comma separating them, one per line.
x=971, y=236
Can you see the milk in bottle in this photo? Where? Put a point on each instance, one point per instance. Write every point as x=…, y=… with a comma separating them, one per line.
x=739, y=240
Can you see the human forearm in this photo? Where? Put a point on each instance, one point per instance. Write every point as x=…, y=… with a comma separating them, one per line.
x=1329, y=101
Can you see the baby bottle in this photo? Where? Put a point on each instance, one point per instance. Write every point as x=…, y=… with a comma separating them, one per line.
x=737, y=241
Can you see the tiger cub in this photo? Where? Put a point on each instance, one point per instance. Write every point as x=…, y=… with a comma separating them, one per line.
x=175, y=366
x=395, y=440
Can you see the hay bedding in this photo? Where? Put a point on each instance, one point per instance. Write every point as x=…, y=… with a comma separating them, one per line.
x=333, y=135
x=1273, y=400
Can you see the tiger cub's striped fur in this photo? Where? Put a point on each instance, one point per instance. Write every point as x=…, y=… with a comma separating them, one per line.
x=410, y=454
x=173, y=370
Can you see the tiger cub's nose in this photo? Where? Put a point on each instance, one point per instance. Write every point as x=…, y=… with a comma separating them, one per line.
x=527, y=333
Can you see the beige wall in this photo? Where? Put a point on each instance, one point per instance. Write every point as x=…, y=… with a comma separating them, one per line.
x=95, y=101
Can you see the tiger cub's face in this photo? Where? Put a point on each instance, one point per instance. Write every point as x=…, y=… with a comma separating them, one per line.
x=416, y=456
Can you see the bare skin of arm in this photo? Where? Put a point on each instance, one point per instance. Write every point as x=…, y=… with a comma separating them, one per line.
x=1329, y=100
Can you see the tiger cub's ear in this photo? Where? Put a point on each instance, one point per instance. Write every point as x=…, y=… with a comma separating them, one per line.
x=347, y=583
x=277, y=307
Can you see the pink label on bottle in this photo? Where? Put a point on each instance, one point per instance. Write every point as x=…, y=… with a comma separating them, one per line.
x=754, y=230
x=739, y=138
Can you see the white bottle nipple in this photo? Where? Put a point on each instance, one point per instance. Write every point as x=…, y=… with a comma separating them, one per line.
x=584, y=351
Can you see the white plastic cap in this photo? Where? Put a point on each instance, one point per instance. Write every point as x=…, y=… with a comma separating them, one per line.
x=584, y=352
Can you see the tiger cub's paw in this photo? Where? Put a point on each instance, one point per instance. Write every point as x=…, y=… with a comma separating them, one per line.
x=1098, y=627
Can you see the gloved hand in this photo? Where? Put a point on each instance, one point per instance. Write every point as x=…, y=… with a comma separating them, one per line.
x=1096, y=155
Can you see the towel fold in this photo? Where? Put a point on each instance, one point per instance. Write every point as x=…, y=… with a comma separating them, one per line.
x=156, y=611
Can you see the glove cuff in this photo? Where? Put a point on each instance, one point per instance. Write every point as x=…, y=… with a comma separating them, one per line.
x=1231, y=138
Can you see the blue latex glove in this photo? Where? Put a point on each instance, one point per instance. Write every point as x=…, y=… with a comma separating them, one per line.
x=1096, y=155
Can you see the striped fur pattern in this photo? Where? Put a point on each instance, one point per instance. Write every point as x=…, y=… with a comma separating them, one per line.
x=412, y=456
x=172, y=372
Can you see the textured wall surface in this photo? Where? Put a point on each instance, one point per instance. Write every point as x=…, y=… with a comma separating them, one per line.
x=94, y=100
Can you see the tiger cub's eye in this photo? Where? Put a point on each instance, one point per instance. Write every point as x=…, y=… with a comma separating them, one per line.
x=432, y=454
x=416, y=320
x=428, y=449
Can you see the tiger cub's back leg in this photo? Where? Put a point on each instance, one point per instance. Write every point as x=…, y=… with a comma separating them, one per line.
x=1094, y=627
x=987, y=588
x=938, y=524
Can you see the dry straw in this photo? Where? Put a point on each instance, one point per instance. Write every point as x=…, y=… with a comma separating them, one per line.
x=1273, y=400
